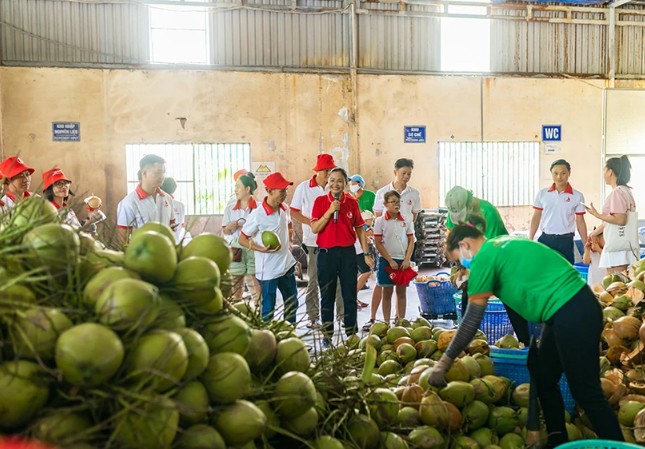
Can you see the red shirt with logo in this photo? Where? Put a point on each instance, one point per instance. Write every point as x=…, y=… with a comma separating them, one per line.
x=342, y=233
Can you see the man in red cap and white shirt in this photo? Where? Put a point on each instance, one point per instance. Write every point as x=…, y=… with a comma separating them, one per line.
x=274, y=267
x=147, y=202
x=301, y=206
x=16, y=182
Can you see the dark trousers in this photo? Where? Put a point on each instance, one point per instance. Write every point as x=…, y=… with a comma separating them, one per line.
x=337, y=264
x=561, y=243
x=569, y=343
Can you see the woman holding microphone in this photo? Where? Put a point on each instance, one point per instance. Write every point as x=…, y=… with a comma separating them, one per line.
x=336, y=220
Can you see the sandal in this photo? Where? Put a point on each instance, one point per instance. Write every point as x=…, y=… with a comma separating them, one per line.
x=361, y=304
x=367, y=326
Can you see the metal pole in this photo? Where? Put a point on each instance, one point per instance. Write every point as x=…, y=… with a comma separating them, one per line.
x=353, y=116
x=612, y=45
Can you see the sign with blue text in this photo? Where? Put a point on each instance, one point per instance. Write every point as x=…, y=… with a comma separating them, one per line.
x=414, y=134
x=551, y=133
x=66, y=131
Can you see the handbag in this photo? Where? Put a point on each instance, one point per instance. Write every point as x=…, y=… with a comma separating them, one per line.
x=237, y=254
x=623, y=238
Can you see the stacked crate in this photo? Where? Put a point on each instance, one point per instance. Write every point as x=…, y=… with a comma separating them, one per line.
x=430, y=230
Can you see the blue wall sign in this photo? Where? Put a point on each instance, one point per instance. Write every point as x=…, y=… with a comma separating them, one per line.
x=66, y=131
x=414, y=134
x=551, y=133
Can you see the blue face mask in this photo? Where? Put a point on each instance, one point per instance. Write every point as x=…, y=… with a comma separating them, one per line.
x=465, y=262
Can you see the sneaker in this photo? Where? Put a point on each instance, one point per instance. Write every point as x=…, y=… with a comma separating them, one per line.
x=313, y=324
x=368, y=325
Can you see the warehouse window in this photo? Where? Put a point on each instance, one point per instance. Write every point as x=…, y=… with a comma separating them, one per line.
x=504, y=173
x=465, y=41
x=178, y=34
x=203, y=171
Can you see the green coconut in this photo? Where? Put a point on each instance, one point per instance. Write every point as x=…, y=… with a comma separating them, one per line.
x=151, y=423
x=327, y=442
x=628, y=411
x=227, y=333
x=128, y=304
x=171, y=316
x=485, y=363
x=35, y=332
x=396, y=332
x=383, y=406
x=240, y=423
x=484, y=436
x=192, y=402
x=24, y=389
x=458, y=393
x=227, y=377
x=502, y=420
x=200, y=436
x=303, y=424
x=262, y=350
x=294, y=394
x=292, y=355
x=273, y=421
x=426, y=438
x=363, y=432
x=476, y=414
x=464, y=442
x=390, y=440
x=198, y=352
x=511, y=441
x=409, y=416
x=63, y=428
x=521, y=395
x=379, y=329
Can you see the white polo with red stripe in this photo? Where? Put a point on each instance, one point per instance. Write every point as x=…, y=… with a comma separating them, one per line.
x=234, y=213
x=139, y=207
x=410, y=201
x=265, y=218
x=303, y=202
x=9, y=200
x=395, y=233
x=559, y=209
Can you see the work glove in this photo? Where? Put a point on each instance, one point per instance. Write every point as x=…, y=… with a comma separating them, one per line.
x=437, y=377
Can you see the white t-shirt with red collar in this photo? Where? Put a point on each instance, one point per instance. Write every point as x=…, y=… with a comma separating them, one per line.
x=70, y=217
x=139, y=207
x=265, y=218
x=395, y=233
x=559, y=209
x=303, y=202
x=8, y=201
x=410, y=201
x=234, y=212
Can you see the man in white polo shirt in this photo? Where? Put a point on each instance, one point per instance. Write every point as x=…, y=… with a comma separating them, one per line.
x=557, y=211
x=301, y=205
x=410, y=207
x=147, y=202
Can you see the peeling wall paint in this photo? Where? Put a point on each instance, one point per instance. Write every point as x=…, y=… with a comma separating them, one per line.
x=290, y=118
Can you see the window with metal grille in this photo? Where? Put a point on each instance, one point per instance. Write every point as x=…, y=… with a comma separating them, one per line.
x=504, y=173
x=203, y=171
x=178, y=34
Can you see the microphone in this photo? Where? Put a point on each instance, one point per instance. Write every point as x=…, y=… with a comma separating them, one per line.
x=336, y=197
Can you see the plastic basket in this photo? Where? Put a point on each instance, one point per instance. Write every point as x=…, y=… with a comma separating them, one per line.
x=495, y=323
x=598, y=444
x=583, y=270
x=435, y=297
x=511, y=363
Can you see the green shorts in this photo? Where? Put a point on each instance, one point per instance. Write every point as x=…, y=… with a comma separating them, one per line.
x=245, y=266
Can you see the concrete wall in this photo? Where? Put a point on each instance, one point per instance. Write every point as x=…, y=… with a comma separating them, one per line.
x=289, y=118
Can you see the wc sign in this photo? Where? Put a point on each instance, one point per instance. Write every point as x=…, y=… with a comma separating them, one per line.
x=551, y=133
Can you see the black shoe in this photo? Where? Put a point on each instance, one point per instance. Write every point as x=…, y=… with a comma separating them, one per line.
x=367, y=326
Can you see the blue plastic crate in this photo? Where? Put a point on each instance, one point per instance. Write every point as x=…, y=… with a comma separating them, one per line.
x=511, y=363
x=435, y=297
x=583, y=270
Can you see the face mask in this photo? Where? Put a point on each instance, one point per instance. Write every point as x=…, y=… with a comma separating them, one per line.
x=465, y=262
x=354, y=188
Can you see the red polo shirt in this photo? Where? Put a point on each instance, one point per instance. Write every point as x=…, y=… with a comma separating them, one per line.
x=343, y=232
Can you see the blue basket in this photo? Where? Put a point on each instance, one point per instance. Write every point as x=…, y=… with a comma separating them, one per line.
x=435, y=297
x=511, y=363
x=583, y=270
x=598, y=444
x=495, y=323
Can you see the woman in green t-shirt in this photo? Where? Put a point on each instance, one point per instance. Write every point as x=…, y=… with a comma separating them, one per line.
x=364, y=197
x=542, y=287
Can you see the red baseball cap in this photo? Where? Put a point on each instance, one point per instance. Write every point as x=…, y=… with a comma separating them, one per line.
x=239, y=173
x=324, y=161
x=13, y=166
x=52, y=176
x=276, y=181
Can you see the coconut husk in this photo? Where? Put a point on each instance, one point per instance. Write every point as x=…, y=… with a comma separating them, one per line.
x=639, y=427
x=626, y=327
x=621, y=390
x=636, y=294
x=632, y=397
x=614, y=353
x=444, y=339
x=636, y=357
x=612, y=338
x=617, y=288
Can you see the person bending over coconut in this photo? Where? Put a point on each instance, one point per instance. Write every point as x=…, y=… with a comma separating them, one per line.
x=16, y=182
x=275, y=266
x=337, y=222
x=542, y=287
x=56, y=189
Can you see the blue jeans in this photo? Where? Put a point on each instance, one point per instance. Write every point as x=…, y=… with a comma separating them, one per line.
x=287, y=286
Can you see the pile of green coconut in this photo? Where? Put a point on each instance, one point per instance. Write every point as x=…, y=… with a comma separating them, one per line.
x=142, y=348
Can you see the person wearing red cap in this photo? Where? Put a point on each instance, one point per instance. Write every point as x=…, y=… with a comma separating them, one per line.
x=17, y=181
x=274, y=267
x=147, y=203
x=301, y=206
x=337, y=222
x=56, y=188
